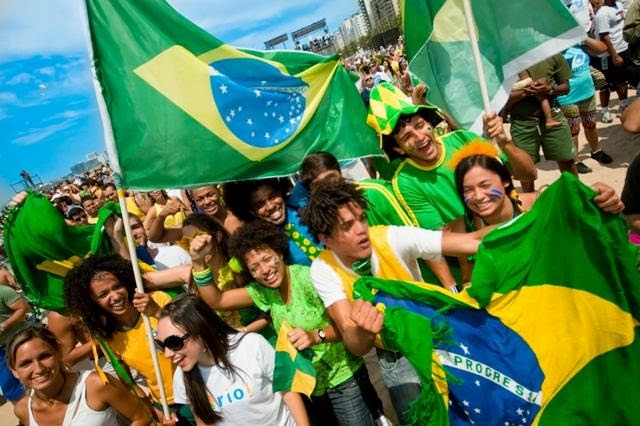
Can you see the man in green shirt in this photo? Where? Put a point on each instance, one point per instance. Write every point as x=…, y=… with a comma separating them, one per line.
x=528, y=127
x=423, y=182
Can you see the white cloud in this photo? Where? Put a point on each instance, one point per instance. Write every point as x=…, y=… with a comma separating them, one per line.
x=8, y=98
x=48, y=71
x=20, y=78
x=37, y=27
x=38, y=134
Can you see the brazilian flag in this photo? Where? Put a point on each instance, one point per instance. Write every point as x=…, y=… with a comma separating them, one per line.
x=293, y=370
x=188, y=109
x=547, y=334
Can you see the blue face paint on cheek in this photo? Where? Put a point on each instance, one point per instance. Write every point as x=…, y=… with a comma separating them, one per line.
x=466, y=200
x=495, y=193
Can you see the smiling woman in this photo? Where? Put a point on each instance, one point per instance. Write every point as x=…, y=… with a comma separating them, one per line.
x=59, y=396
x=101, y=292
x=223, y=375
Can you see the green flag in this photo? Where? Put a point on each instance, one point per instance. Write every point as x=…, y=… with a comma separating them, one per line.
x=512, y=37
x=546, y=334
x=187, y=109
x=42, y=248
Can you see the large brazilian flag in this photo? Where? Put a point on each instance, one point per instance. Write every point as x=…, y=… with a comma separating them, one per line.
x=547, y=334
x=187, y=109
x=512, y=37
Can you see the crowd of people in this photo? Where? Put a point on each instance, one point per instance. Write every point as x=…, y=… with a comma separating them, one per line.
x=227, y=267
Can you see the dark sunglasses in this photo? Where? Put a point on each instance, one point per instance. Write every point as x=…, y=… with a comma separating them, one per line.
x=173, y=342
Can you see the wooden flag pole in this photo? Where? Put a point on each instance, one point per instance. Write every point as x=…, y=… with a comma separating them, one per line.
x=115, y=166
x=477, y=59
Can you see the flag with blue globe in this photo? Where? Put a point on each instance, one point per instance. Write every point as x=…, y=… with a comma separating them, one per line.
x=187, y=109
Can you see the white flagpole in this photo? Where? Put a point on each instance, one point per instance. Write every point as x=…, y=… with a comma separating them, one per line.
x=473, y=38
x=112, y=153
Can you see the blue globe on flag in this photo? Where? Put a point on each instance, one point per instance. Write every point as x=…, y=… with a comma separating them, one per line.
x=261, y=111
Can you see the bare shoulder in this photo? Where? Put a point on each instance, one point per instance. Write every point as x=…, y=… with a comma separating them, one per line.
x=21, y=410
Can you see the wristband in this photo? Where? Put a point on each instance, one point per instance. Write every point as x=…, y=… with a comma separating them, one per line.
x=202, y=278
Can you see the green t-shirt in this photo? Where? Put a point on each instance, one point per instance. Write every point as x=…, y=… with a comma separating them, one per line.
x=334, y=364
x=429, y=194
x=383, y=207
x=555, y=70
x=8, y=296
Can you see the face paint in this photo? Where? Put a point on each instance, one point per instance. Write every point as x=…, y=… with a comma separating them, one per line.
x=466, y=200
x=495, y=193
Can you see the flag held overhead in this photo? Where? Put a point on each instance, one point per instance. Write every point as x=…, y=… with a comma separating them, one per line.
x=187, y=109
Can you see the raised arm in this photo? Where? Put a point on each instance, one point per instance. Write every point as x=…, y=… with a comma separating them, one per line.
x=205, y=255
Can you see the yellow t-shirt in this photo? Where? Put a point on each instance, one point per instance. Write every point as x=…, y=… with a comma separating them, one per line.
x=133, y=348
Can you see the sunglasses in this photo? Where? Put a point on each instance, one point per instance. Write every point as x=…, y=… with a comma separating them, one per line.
x=173, y=342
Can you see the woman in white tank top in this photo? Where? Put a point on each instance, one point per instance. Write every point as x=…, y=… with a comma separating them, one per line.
x=61, y=397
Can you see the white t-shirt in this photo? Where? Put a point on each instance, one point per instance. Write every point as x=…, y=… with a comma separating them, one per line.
x=581, y=9
x=611, y=20
x=169, y=257
x=408, y=244
x=246, y=398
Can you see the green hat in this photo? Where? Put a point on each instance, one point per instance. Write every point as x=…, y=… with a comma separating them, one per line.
x=387, y=103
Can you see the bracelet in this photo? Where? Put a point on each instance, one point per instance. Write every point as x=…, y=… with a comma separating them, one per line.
x=202, y=278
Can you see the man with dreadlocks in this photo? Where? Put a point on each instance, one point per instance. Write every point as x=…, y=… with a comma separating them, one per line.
x=335, y=216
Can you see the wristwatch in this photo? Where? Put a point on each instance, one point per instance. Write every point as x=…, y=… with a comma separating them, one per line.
x=322, y=335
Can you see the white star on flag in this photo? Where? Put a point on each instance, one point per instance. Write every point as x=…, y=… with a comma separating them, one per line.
x=466, y=403
x=253, y=134
x=257, y=92
x=464, y=348
x=520, y=411
x=263, y=82
x=292, y=121
x=232, y=113
x=477, y=382
x=267, y=135
x=228, y=119
x=240, y=108
x=281, y=119
x=223, y=89
x=269, y=102
x=476, y=410
x=250, y=122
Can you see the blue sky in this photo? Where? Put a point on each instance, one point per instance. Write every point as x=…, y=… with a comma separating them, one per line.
x=48, y=114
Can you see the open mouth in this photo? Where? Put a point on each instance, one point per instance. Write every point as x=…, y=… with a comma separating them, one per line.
x=277, y=215
x=271, y=278
x=118, y=306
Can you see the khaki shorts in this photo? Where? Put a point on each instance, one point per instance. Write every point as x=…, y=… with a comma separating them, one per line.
x=556, y=142
x=581, y=112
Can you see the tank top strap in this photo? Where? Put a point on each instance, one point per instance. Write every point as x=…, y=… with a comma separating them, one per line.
x=78, y=395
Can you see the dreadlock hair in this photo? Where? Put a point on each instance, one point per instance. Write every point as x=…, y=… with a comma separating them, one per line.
x=321, y=213
x=77, y=291
x=193, y=316
x=491, y=164
x=316, y=163
x=257, y=235
x=207, y=224
x=237, y=195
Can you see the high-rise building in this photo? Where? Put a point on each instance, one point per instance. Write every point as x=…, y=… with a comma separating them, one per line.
x=353, y=28
x=377, y=12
